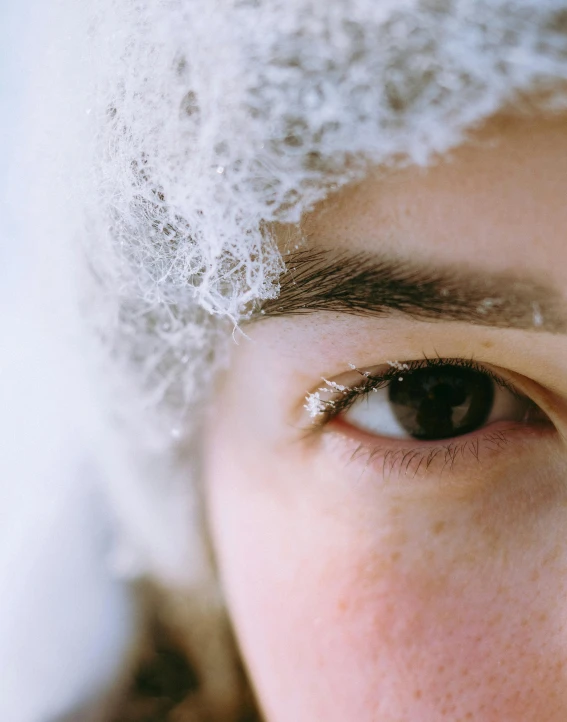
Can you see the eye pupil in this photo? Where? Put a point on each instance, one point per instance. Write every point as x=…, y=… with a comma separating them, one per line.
x=443, y=402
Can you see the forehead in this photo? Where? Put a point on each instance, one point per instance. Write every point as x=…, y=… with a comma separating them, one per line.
x=497, y=202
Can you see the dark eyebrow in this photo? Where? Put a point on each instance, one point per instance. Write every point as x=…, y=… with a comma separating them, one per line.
x=364, y=284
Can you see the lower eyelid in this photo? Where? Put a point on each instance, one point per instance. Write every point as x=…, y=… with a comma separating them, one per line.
x=415, y=460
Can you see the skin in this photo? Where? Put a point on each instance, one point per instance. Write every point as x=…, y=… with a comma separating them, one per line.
x=362, y=591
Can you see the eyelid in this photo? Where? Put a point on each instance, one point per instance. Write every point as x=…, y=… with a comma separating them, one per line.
x=440, y=461
x=504, y=445
x=340, y=396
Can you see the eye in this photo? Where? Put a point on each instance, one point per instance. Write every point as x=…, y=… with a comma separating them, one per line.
x=435, y=403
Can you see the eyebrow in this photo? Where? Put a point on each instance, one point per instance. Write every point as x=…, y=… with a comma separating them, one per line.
x=378, y=285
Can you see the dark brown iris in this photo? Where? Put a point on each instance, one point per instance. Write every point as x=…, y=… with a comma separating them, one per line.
x=442, y=402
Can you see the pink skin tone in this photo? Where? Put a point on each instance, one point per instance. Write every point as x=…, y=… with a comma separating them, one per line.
x=364, y=593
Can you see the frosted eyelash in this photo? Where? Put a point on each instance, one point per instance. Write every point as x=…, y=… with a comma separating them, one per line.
x=314, y=405
x=322, y=410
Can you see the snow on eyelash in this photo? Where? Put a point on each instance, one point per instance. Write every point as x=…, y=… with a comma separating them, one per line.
x=352, y=367
x=316, y=406
x=398, y=366
x=332, y=385
x=321, y=410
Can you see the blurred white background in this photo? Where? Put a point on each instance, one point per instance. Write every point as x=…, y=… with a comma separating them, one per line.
x=65, y=623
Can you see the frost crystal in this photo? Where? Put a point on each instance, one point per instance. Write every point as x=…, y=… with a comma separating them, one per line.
x=314, y=405
x=333, y=385
x=398, y=366
x=362, y=373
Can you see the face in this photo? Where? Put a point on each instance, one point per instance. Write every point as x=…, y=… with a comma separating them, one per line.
x=397, y=550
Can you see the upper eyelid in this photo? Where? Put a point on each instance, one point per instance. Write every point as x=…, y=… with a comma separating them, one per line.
x=333, y=407
x=427, y=362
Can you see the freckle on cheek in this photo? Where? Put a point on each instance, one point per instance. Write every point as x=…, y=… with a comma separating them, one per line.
x=439, y=527
x=468, y=644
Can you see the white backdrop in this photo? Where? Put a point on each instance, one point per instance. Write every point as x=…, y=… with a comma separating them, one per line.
x=65, y=623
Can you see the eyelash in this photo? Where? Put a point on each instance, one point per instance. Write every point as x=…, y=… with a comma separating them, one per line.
x=410, y=459
x=325, y=410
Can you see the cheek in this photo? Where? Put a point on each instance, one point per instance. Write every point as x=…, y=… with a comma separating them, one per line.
x=342, y=623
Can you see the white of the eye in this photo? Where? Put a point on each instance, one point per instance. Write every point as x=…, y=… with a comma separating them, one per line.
x=506, y=406
x=375, y=414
